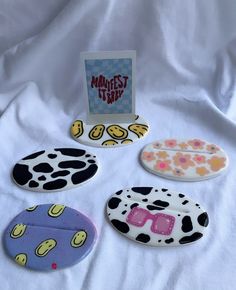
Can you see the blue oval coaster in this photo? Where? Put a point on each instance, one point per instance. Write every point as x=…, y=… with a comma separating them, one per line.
x=49, y=237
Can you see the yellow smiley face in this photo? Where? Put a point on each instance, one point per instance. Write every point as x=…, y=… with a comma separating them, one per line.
x=77, y=129
x=127, y=141
x=56, y=210
x=139, y=129
x=78, y=239
x=45, y=247
x=117, y=132
x=32, y=208
x=109, y=143
x=18, y=231
x=97, y=132
x=21, y=259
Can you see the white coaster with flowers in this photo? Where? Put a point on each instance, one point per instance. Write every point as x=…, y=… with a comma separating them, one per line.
x=184, y=160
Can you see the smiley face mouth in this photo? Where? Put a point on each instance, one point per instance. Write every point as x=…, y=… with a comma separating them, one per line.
x=41, y=253
x=18, y=234
x=80, y=243
x=119, y=135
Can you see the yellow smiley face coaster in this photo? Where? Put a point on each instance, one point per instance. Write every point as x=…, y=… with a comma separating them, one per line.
x=111, y=134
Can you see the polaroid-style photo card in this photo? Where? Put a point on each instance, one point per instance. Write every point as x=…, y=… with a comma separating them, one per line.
x=109, y=83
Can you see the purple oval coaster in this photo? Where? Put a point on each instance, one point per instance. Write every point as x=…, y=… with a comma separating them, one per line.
x=49, y=237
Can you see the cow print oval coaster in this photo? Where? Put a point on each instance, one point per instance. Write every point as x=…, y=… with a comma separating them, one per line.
x=109, y=135
x=54, y=170
x=184, y=160
x=156, y=216
x=49, y=237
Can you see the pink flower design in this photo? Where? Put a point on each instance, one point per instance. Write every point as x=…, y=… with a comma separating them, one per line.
x=170, y=143
x=196, y=143
x=148, y=156
x=178, y=172
x=199, y=159
x=212, y=148
x=157, y=145
x=183, y=160
x=162, y=165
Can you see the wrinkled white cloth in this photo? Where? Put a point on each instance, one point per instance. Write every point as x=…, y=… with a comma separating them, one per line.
x=186, y=72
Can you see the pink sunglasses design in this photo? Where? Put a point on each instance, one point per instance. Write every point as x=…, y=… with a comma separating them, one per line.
x=161, y=223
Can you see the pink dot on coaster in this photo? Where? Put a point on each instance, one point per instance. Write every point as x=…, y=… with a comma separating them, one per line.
x=162, y=165
x=54, y=266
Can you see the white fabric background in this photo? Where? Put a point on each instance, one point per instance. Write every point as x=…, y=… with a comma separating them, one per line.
x=186, y=71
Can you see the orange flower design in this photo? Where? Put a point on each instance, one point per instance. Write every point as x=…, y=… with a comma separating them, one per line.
x=199, y=159
x=183, y=160
x=183, y=145
x=216, y=163
x=162, y=154
x=178, y=172
x=148, y=156
x=163, y=165
x=212, y=148
x=196, y=143
x=170, y=143
x=157, y=145
x=202, y=171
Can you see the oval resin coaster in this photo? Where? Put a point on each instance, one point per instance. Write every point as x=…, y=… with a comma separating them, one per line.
x=109, y=135
x=184, y=160
x=54, y=170
x=156, y=217
x=49, y=237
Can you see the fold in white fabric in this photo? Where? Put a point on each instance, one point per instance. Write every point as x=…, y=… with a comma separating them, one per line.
x=186, y=68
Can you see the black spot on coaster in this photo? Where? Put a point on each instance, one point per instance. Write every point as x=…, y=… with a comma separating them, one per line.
x=42, y=177
x=72, y=164
x=189, y=239
x=161, y=203
x=21, y=174
x=168, y=194
x=121, y=226
x=164, y=189
x=33, y=184
x=129, y=196
x=34, y=155
x=83, y=175
x=169, y=241
x=87, y=155
x=143, y=238
x=43, y=167
x=134, y=205
x=60, y=173
x=145, y=199
x=114, y=202
x=71, y=152
x=185, y=202
x=91, y=161
x=153, y=207
x=181, y=195
x=187, y=225
x=119, y=192
x=52, y=156
x=124, y=211
x=142, y=190
x=54, y=185
x=203, y=219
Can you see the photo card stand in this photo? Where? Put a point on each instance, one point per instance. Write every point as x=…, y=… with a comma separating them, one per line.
x=109, y=85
